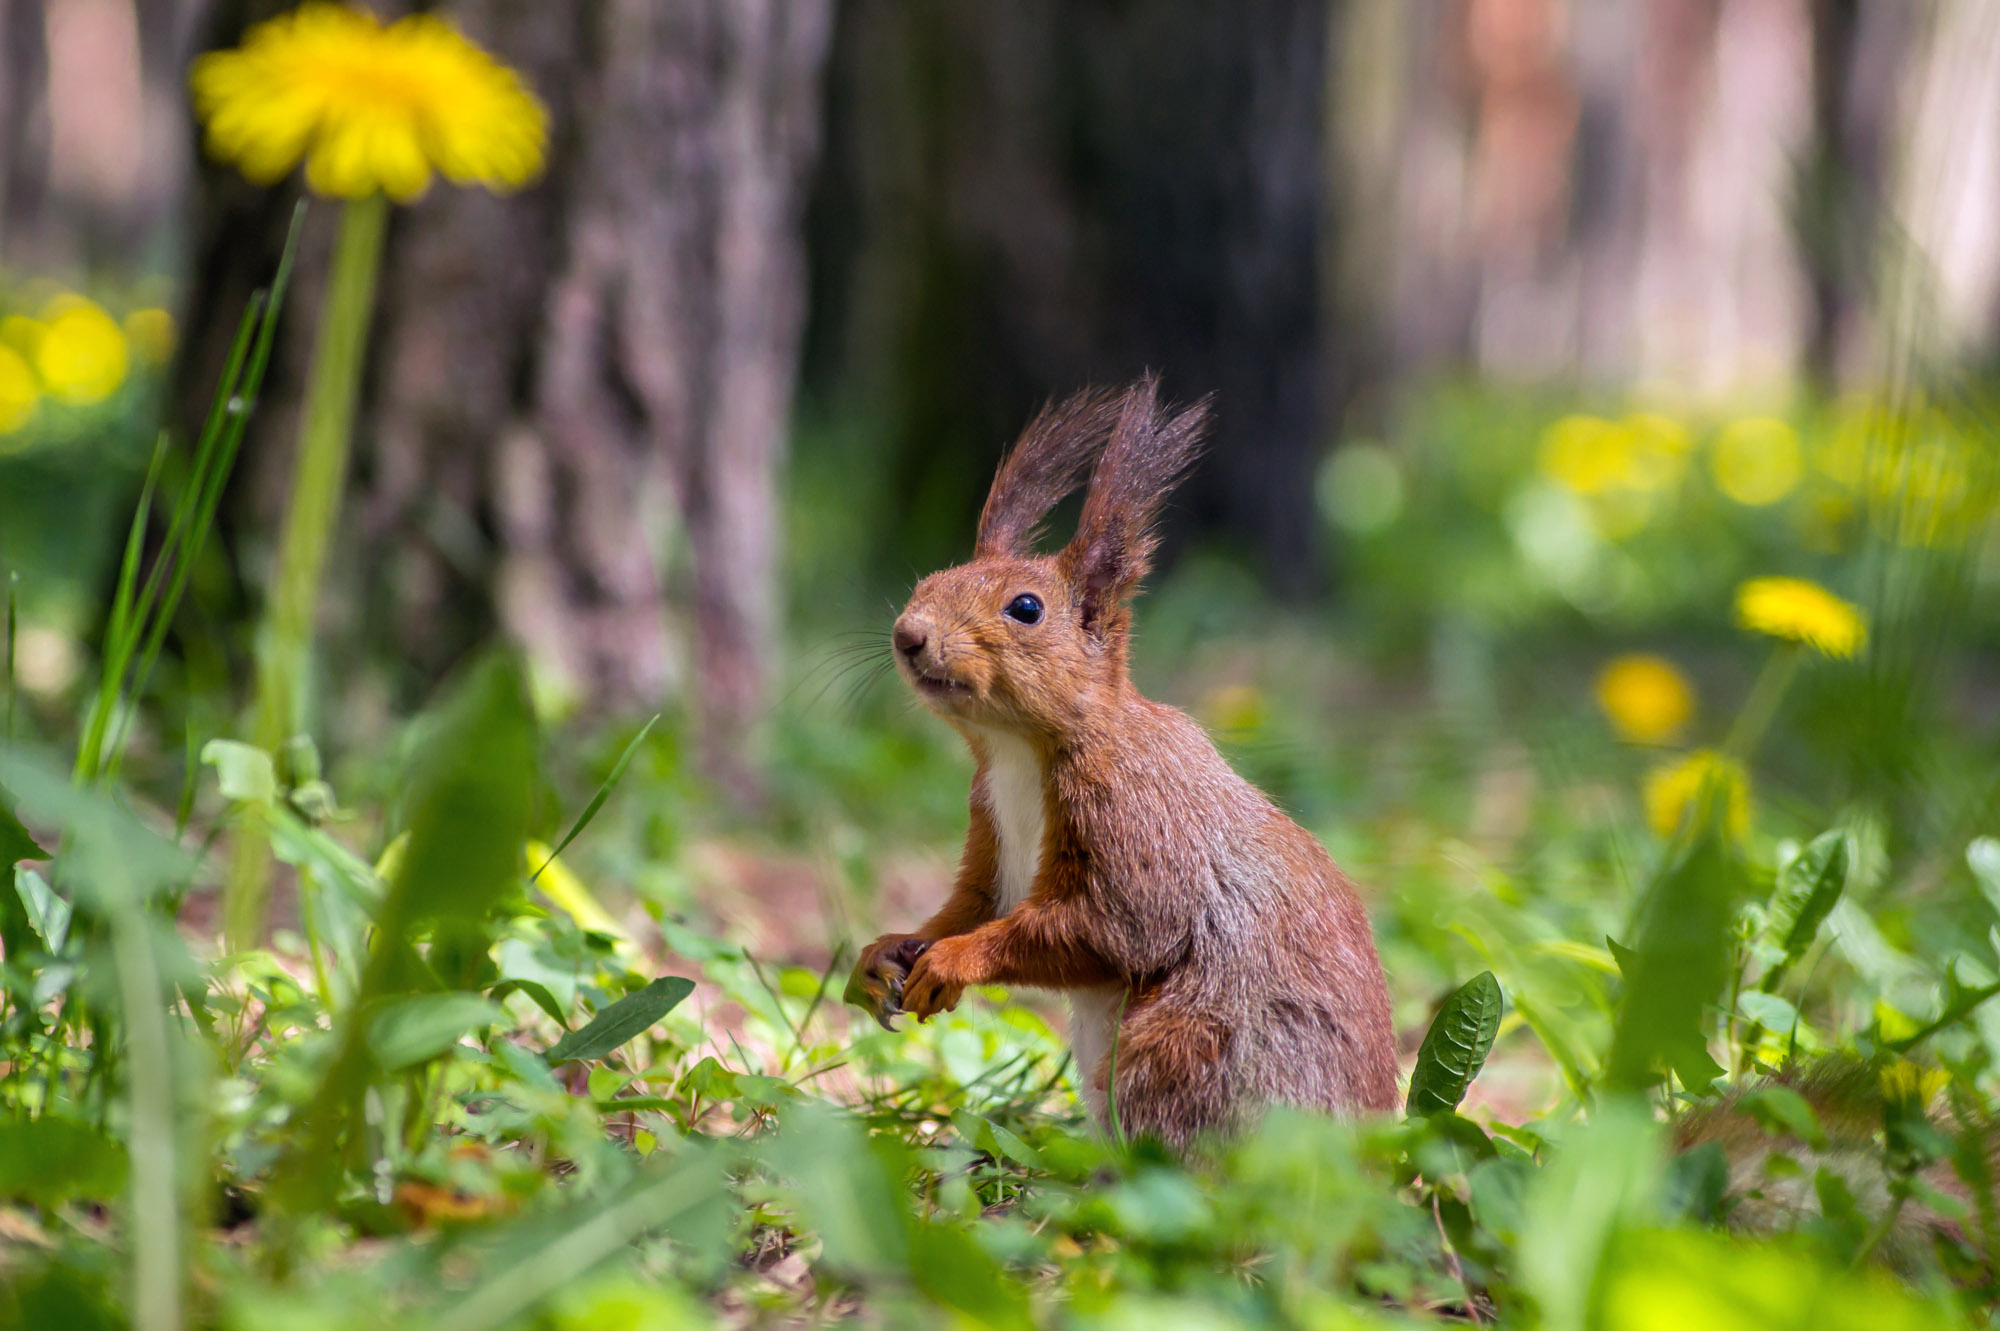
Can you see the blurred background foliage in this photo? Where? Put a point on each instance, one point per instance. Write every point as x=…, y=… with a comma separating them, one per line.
x=1538, y=330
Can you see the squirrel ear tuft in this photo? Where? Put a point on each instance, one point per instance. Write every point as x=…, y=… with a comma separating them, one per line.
x=1045, y=464
x=1151, y=450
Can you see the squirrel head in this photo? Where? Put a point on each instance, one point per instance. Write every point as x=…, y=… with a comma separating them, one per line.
x=1030, y=643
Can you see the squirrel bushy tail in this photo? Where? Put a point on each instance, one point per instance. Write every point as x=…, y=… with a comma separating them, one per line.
x=1859, y=1141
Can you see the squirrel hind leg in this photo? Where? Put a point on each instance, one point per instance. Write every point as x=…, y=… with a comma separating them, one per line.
x=1173, y=1077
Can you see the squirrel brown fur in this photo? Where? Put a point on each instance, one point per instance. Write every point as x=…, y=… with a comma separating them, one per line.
x=1215, y=958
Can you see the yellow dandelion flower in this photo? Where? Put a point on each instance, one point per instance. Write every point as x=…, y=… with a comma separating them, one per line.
x=1757, y=461
x=1656, y=452
x=152, y=333
x=370, y=108
x=1586, y=453
x=80, y=354
x=1705, y=778
x=1905, y=1083
x=1646, y=698
x=19, y=393
x=1801, y=611
x=21, y=333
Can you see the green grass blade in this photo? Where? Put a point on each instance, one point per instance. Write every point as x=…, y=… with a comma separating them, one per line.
x=118, y=635
x=204, y=452
x=13, y=628
x=207, y=485
x=597, y=800
x=599, y=1233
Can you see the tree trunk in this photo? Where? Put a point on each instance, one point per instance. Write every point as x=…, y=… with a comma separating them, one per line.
x=570, y=387
x=23, y=118
x=1025, y=197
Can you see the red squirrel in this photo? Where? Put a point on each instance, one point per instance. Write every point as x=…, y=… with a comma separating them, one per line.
x=1214, y=957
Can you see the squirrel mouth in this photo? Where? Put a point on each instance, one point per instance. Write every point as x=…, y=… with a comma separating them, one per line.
x=936, y=686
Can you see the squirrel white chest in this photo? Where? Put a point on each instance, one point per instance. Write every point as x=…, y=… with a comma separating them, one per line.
x=1014, y=797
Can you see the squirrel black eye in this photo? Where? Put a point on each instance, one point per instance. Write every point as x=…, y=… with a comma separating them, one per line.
x=1025, y=609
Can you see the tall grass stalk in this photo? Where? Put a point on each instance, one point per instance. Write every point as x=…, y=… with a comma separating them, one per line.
x=157, y=1275
x=284, y=647
x=142, y=613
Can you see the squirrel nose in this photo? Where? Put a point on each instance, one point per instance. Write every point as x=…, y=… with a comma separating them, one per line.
x=909, y=638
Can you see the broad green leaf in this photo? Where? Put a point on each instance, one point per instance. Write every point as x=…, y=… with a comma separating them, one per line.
x=1605, y=1181
x=1675, y=968
x=603, y=1083
x=709, y=1080
x=244, y=771
x=1809, y=885
x=624, y=1020
x=951, y=1267
x=1718, y=1282
x=404, y=1031
x=471, y=793
x=48, y=914
x=1982, y=856
x=527, y=1067
x=1456, y=1046
x=985, y=1135
x=1771, y=1011
x=15, y=842
x=50, y=1160
x=538, y=993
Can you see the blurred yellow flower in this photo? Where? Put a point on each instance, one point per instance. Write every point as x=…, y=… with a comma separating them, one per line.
x=1586, y=453
x=21, y=333
x=1657, y=449
x=151, y=333
x=18, y=391
x=370, y=108
x=1620, y=467
x=80, y=355
x=1757, y=460
x=1647, y=699
x=1923, y=475
x=1678, y=790
x=1801, y=611
x=1905, y=1083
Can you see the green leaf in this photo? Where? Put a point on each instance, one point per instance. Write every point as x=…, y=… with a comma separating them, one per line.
x=1771, y=1011
x=622, y=1021
x=536, y=991
x=1808, y=888
x=1982, y=856
x=405, y=1031
x=1456, y=1046
x=49, y=1160
x=470, y=796
x=1675, y=968
x=15, y=842
x=985, y=1135
x=1627, y=959
x=527, y=1067
x=48, y=914
x=597, y=800
x=244, y=771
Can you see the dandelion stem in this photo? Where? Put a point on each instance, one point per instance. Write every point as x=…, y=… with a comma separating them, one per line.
x=1761, y=707
x=284, y=647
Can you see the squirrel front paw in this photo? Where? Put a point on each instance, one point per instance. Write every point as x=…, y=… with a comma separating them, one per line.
x=876, y=985
x=937, y=981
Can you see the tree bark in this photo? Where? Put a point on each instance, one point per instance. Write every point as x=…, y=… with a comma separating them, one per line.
x=575, y=388
x=1025, y=197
